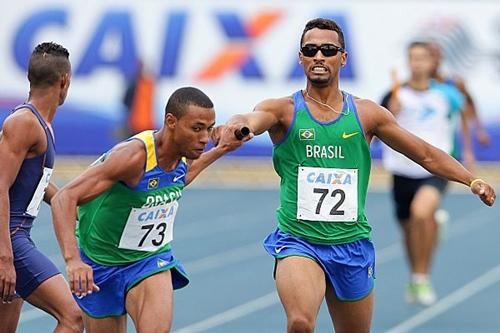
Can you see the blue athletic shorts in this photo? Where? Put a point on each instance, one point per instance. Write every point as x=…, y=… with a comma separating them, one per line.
x=115, y=281
x=350, y=267
x=32, y=267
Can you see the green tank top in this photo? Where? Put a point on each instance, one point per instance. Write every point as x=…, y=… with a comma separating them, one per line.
x=324, y=170
x=124, y=224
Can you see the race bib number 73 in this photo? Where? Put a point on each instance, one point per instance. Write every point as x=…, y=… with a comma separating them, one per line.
x=148, y=229
x=327, y=194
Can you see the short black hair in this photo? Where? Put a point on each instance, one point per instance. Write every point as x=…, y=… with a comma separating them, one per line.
x=324, y=24
x=185, y=96
x=47, y=63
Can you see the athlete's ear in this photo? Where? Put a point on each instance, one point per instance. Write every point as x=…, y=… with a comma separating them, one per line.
x=343, y=58
x=170, y=121
x=300, y=58
x=65, y=79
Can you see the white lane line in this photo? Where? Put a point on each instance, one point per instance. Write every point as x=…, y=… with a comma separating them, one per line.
x=242, y=310
x=388, y=253
x=226, y=258
x=218, y=260
x=383, y=256
x=470, y=289
x=247, y=252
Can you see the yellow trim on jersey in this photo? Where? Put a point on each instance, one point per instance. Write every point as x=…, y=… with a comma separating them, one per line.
x=149, y=142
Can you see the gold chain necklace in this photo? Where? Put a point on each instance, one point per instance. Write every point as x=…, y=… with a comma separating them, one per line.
x=326, y=105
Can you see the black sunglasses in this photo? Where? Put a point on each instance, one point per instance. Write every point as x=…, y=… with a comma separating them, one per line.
x=328, y=50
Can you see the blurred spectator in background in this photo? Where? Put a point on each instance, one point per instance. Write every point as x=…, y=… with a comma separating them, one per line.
x=428, y=109
x=469, y=107
x=139, y=102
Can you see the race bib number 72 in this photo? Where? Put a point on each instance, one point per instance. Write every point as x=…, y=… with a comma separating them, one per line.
x=327, y=194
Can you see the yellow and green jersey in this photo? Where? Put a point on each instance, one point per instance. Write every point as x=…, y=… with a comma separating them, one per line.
x=126, y=224
x=324, y=170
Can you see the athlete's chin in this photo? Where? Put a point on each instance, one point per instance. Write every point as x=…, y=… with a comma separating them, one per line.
x=194, y=154
x=319, y=82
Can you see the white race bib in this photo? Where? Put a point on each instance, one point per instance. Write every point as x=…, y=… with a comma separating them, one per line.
x=148, y=229
x=327, y=194
x=36, y=199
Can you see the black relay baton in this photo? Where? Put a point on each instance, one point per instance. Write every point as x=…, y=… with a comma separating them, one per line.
x=241, y=133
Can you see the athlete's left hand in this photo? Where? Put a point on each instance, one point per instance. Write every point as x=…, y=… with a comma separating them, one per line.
x=485, y=192
x=81, y=277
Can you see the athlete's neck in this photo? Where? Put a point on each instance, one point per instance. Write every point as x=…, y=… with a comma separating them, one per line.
x=46, y=101
x=330, y=94
x=167, y=156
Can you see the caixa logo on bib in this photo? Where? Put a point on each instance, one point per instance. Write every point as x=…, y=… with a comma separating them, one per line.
x=341, y=178
x=160, y=213
x=115, y=42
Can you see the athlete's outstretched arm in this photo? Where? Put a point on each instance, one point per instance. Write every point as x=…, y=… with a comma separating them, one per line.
x=264, y=117
x=124, y=163
x=16, y=139
x=431, y=158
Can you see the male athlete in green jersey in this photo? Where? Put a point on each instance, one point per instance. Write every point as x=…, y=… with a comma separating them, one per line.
x=321, y=139
x=128, y=200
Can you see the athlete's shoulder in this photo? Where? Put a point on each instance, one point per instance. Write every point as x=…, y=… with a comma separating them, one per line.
x=128, y=155
x=275, y=104
x=23, y=127
x=371, y=114
x=365, y=105
x=21, y=118
x=133, y=150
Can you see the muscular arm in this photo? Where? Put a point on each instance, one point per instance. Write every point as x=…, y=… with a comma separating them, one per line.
x=16, y=141
x=266, y=116
x=125, y=163
x=431, y=158
x=380, y=122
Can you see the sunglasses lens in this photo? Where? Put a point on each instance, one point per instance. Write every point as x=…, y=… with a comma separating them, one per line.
x=329, y=50
x=309, y=50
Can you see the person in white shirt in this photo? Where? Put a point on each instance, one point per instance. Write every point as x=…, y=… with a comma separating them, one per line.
x=430, y=110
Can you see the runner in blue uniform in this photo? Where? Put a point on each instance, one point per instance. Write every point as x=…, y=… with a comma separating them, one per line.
x=27, y=151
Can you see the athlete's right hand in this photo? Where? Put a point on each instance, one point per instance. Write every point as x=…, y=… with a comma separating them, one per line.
x=81, y=277
x=7, y=279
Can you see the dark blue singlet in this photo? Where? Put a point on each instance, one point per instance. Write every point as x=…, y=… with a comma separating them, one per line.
x=26, y=195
